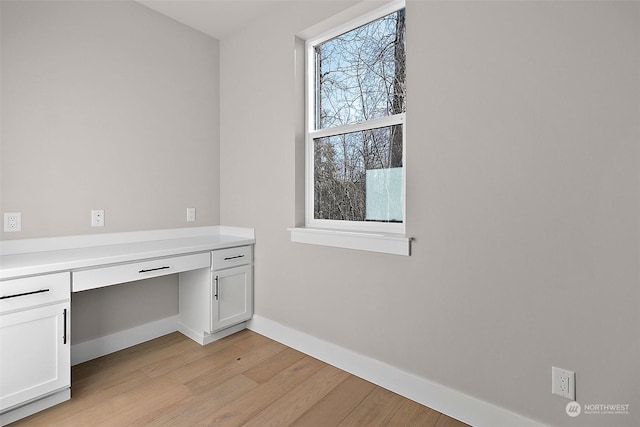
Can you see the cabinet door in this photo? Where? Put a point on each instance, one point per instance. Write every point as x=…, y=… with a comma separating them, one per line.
x=34, y=353
x=232, y=297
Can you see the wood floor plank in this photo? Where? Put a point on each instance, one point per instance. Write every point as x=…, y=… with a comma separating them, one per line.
x=76, y=414
x=129, y=359
x=242, y=409
x=214, y=360
x=445, y=421
x=200, y=407
x=274, y=365
x=84, y=399
x=174, y=357
x=412, y=414
x=109, y=384
x=377, y=409
x=189, y=351
x=292, y=405
x=146, y=404
x=240, y=364
x=335, y=406
x=98, y=365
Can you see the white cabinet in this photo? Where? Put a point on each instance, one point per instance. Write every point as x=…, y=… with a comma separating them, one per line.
x=34, y=340
x=232, y=297
x=213, y=300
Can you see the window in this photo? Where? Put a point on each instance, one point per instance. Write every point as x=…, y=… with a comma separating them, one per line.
x=356, y=105
x=355, y=94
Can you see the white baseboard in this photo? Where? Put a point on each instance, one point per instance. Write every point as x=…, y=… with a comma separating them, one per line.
x=35, y=406
x=453, y=403
x=204, y=339
x=102, y=346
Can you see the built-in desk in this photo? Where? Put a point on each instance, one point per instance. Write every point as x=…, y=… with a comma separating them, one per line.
x=38, y=276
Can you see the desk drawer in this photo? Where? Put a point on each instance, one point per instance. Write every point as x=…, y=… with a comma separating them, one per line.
x=232, y=257
x=122, y=273
x=27, y=292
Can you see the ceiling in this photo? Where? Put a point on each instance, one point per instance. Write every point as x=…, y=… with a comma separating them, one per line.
x=217, y=18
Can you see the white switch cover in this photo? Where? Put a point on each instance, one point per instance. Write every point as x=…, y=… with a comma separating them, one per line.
x=563, y=383
x=191, y=214
x=97, y=218
x=12, y=221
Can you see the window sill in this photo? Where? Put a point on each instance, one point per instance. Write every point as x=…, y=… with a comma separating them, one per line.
x=395, y=244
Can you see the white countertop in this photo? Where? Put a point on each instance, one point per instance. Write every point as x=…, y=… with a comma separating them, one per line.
x=100, y=250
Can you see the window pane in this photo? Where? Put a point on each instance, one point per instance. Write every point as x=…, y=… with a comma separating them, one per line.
x=358, y=176
x=360, y=75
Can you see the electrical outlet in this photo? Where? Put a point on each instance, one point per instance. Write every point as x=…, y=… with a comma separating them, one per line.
x=12, y=222
x=191, y=214
x=563, y=383
x=97, y=218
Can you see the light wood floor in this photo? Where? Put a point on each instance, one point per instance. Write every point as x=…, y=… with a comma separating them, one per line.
x=244, y=379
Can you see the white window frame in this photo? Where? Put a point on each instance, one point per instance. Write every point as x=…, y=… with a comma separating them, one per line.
x=311, y=134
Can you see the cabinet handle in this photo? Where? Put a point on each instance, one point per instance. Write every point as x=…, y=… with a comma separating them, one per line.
x=216, y=288
x=64, y=326
x=154, y=269
x=25, y=293
x=233, y=257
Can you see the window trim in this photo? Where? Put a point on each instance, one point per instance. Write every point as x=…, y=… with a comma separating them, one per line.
x=391, y=229
x=394, y=244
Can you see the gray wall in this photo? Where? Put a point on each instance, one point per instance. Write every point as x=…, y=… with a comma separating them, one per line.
x=522, y=186
x=108, y=105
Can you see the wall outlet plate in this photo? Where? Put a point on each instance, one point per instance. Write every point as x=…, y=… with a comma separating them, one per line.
x=563, y=383
x=12, y=222
x=97, y=218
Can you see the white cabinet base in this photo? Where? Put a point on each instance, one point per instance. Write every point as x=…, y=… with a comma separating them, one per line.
x=34, y=406
x=203, y=338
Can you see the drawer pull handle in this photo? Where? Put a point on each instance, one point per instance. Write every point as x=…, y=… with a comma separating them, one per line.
x=233, y=257
x=64, y=326
x=154, y=269
x=26, y=293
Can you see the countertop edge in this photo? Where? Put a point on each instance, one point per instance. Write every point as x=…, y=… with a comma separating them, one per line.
x=18, y=265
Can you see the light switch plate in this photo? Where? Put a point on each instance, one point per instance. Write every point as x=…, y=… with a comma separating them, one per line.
x=191, y=214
